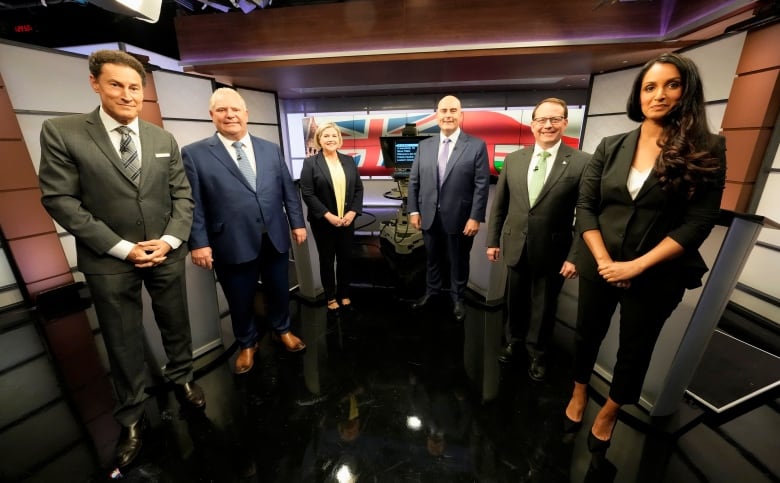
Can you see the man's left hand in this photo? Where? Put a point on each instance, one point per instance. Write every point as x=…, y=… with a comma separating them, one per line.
x=299, y=235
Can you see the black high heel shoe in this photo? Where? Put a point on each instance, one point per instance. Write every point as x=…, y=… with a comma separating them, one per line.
x=570, y=426
x=598, y=446
x=333, y=312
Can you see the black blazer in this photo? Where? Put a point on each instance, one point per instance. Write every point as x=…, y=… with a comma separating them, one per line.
x=631, y=228
x=544, y=229
x=317, y=187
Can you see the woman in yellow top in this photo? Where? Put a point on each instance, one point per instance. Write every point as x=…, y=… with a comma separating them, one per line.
x=333, y=192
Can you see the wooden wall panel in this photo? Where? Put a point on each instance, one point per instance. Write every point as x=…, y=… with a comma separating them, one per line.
x=761, y=49
x=757, y=106
x=39, y=257
x=16, y=165
x=9, y=128
x=21, y=213
x=744, y=152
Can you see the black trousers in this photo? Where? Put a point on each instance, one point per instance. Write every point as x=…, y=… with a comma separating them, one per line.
x=532, y=299
x=644, y=307
x=117, y=300
x=334, y=246
x=452, y=249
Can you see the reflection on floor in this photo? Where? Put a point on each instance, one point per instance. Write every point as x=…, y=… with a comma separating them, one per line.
x=396, y=395
x=393, y=395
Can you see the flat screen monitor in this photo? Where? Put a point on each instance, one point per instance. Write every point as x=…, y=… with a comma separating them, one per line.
x=398, y=152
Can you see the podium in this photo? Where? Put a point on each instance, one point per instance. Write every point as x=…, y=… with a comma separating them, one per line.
x=688, y=330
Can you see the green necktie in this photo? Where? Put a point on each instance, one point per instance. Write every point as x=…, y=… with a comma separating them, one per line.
x=537, y=177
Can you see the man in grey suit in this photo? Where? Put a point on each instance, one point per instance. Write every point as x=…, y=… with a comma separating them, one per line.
x=531, y=226
x=117, y=184
x=447, y=199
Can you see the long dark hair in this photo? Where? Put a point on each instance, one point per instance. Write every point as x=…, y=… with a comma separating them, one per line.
x=685, y=161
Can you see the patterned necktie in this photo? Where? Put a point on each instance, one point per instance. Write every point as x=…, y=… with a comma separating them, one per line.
x=443, y=156
x=537, y=177
x=129, y=154
x=244, y=166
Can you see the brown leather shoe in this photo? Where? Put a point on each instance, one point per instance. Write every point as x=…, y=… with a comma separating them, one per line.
x=291, y=342
x=245, y=360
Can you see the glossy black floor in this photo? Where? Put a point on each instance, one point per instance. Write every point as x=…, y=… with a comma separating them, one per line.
x=394, y=395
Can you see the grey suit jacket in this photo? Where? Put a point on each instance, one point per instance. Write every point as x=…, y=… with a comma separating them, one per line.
x=86, y=190
x=544, y=229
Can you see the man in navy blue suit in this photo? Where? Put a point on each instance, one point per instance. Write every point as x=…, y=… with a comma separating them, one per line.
x=245, y=205
x=447, y=198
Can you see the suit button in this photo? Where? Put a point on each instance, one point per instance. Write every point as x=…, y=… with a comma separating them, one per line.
x=138, y=222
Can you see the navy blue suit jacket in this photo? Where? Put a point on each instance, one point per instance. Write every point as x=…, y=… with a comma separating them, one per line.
x=464, y=190
x=228, y=213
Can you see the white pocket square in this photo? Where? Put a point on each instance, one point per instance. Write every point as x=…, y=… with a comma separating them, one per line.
x=162, y=155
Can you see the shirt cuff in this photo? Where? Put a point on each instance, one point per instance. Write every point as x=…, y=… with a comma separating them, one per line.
x=121, y=250
x=172, y=241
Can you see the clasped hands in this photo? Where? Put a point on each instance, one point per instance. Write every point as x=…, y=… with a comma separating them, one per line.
x=337, y=221
x=619, y=274
x=149, y=253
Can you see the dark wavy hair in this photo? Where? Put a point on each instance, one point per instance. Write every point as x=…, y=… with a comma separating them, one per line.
x=685, y=161
x=118, y=57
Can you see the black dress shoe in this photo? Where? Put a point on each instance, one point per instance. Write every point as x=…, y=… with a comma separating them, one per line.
x=130, y=442
x=598, y=446
x=537, y=368
x=459, y=311
x=422, y=301
x=507, y=354
x=191, y=394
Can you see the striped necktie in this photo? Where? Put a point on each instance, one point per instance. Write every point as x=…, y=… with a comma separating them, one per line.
x=129, y=154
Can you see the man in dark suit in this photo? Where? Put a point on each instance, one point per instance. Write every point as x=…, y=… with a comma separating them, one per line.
x=531, y=218
x=118, y=185
x=447, y=198
x=245, y=205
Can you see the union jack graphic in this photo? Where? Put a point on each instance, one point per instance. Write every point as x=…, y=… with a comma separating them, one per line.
x=502, y=131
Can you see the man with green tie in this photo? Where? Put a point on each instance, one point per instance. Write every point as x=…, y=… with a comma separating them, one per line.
x=530, y=227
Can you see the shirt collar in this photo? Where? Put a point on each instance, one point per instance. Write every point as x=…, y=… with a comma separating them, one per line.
x=111, y=124
x=246, y=141
x=453, y=137
x=553, y=150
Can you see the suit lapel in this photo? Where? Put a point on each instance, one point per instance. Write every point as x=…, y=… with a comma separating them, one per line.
x=97, y=131
x=560, y=164
x=457, y=151
x=148, y=157
x=623, y=159
x=220, y=152
x=322, y=165
x=519, y=172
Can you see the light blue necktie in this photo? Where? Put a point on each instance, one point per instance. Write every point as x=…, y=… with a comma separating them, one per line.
x=244, y=166
x=443, y=157
x=537, y=177
x=129, y=154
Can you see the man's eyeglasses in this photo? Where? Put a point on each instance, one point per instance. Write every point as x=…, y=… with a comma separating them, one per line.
x=553, y=120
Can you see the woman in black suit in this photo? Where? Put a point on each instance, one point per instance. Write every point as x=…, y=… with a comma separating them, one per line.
x=332, y=190
x=648, y=199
